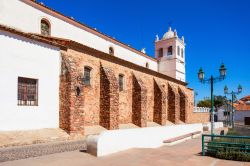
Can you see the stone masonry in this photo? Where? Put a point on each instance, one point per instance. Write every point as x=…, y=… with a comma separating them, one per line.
x=159, y=104
x=109, y=99
x=183, y=105
x=139, y=102
x=71, y=105
x=174, y=104
x=148, y=96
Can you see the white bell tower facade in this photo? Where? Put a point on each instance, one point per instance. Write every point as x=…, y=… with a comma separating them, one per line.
x=170, y=53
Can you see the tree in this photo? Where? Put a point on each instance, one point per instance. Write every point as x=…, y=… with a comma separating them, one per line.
x=218, y=102
x=204, y=103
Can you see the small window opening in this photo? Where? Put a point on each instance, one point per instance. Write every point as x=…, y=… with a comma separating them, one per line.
x=87, y=76
x=45, y=27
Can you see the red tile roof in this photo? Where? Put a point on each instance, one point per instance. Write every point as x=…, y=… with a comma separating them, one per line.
x=31, y=36
x=66, y=43
x=243, y=104
x=246, y=98
x=69, y=43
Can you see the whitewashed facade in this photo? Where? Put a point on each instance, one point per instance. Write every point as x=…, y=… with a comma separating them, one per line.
x=23, y=57
x=29, y=19
x=239, y=116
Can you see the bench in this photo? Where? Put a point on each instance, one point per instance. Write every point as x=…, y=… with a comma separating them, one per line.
x=171, y=140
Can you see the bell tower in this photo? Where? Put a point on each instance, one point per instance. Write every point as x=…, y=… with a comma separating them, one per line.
x=170, y=53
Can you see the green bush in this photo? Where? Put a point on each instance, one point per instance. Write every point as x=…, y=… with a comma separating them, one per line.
x=235, y=151
x=232, y=132
x=233, y=155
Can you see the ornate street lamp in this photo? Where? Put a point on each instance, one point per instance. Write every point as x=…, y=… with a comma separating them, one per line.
x=223, y=70
x=195, y=94
x=239, y=88
x=211, y=81
x=233, y=94
x=201, y=75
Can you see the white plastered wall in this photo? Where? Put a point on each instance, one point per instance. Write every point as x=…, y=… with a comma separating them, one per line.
x=26, y=58
x=20, y=15
x=239, y=116
x=113, y=141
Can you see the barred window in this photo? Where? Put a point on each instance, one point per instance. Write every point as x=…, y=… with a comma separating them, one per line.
x=121, y=82
x=45, y=27
x=87, y=76
x=27, y=91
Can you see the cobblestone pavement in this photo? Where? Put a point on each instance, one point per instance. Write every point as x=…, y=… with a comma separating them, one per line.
x=29, y=137
x=186, y=153
x=22, y=152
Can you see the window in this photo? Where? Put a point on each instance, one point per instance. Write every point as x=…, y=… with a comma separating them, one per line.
x=147, y=65
x=121, y=82
x=27, y=91
x=111, y=51
x=87, y=77
x=178, y=50
x=161, y=52
x=45, y=27
x=170, y=50
x=182, y=53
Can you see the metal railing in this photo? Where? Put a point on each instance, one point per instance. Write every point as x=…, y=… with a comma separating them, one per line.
x=212, y=144
x=201, y=109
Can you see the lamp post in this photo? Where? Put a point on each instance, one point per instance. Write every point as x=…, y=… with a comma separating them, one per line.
x=195, y=94
x=233, y=93
x=226, y=114
x=211, y=81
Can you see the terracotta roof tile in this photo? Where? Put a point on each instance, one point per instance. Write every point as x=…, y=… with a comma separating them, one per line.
x=68, y=43
x=243, y=104
x=30, y=36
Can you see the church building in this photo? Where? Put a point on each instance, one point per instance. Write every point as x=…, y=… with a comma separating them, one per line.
x=57, y=72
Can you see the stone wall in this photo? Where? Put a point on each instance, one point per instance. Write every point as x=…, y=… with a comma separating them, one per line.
x=173, y=104
x=109, y=99
x=200, y=117
x=139, y=103
x=191, y=116
x=160, y=110
x=148, y=96
x=183, y=105
x=71, y=103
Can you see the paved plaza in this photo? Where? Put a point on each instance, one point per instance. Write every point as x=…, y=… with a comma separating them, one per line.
x=186, y=153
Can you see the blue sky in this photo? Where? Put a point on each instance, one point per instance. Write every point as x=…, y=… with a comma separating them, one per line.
x=215, y=31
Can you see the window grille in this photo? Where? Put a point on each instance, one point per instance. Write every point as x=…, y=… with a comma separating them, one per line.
x=27, y=91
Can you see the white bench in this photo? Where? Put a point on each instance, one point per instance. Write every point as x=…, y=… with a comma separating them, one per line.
x=112, y=141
